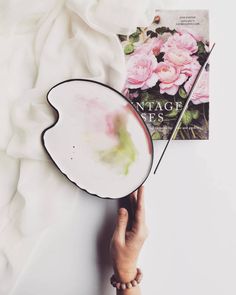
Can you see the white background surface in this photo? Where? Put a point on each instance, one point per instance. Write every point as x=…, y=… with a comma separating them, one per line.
x=191, y=203
x=191, y=207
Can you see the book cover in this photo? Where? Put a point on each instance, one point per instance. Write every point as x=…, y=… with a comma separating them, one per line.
x=162, y=62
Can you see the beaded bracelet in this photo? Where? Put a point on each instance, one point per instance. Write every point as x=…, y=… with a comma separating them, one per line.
x=129, y=285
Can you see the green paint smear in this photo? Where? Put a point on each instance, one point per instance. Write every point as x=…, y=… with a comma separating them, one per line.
x=124, y=153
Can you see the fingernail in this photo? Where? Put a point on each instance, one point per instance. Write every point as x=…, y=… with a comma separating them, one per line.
x=122, y=211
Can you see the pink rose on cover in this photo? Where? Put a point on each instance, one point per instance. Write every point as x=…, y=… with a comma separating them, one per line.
x=196, y=36
x=181, y=40
x=191, y=68
x=201, y=93
x=141, y=71
x=178, y=57
x=153, y=45
x=170, y=77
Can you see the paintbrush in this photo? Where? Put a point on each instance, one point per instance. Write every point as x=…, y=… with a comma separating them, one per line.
x=178, y=123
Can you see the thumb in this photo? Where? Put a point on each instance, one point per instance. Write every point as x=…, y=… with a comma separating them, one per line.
x=121, y=223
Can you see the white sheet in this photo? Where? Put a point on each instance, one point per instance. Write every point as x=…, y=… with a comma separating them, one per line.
x=42, y=43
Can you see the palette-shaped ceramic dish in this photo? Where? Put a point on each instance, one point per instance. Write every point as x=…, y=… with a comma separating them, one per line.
x=98, y=141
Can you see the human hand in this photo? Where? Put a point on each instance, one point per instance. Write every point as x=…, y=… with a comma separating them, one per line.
x=127, y=243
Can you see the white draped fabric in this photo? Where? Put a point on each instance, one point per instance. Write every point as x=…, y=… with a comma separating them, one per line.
x=42, y=43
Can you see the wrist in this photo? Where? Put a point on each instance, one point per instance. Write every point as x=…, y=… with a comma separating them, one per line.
x=125, y=274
